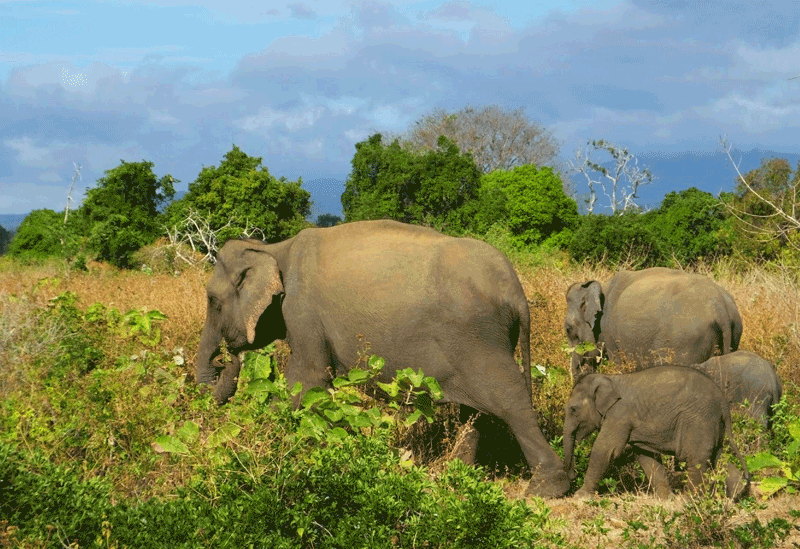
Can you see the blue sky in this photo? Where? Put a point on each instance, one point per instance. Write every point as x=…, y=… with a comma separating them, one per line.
x=300, y=83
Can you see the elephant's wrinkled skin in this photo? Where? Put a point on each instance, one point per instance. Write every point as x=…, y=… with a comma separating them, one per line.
x=672, y=410
x=746, y=377
x=451, y=306
x=656, y=315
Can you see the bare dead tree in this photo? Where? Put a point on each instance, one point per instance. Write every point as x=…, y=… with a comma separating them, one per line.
x=620, y=183
x=76, y=176
x=497, y=138
x=195, y=233
x=781, y=221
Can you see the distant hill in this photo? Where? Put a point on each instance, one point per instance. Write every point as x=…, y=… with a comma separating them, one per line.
x=10, y=222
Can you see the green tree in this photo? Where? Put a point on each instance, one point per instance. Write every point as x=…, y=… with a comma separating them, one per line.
x=122, y=213
x=689, y=222
x=327, y=220
x=764, y=209
x=536, y=206
x=618, y=239
x=5, y=238
x=389, y=182
x=240, y=194
x=39, y=235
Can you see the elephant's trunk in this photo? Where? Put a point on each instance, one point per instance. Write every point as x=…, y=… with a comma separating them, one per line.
x=228, y=380
x=204, y=371
x=569, y=451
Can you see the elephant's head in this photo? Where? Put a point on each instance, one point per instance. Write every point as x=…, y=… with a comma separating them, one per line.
x=591, y=399
x=243, y=309
x=584, y=309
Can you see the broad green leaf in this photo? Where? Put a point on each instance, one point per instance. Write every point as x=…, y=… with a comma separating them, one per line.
x=763, y=460
x=360, y=420
x=296, y=388
x=337, y=434
x=189, y=432
x=259, y=386
x=357, y=375
x=410, y=420
x=170, y=444
x=223, y=434
x=339, y=382
x=391, y=388
x=261, y=365
x=433, y=388
x=376, y=363
x=314, y=395
x=333, y=415
x=416, y=377
x=770, y=485
x=374, y=415
x=350, y=410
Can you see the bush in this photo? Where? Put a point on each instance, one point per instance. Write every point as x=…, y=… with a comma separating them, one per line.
x=535, y=206
x=624, y=239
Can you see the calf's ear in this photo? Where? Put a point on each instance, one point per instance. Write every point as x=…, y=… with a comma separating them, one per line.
x=605, y=394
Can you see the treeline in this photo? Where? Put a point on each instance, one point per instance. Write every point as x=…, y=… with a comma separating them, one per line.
x=467, y=182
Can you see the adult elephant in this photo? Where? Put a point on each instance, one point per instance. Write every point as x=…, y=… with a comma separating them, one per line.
x=651, y=316
x=451, y=306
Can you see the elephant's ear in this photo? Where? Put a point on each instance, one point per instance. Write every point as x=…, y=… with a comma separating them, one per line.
x=605, y=394
x=592, y=304
x=257, y=284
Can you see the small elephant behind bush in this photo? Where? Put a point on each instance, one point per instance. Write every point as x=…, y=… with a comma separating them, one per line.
x=671, y=410
x=746, y=378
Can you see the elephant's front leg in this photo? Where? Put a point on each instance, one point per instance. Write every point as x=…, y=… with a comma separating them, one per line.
x=655, y=473
x=609, y=445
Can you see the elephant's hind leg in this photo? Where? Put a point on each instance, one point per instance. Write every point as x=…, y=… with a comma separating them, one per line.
x=655, y=473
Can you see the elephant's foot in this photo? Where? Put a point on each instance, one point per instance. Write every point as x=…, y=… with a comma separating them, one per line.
x=737, y=485
x=548, y=485
x=584, y=493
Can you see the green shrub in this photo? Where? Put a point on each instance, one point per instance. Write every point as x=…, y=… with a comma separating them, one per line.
x=624, y=239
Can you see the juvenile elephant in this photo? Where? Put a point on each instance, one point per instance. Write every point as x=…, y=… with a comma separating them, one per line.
x=746, y=377
x=673, y=410
x=451, y=306
x=653, y=315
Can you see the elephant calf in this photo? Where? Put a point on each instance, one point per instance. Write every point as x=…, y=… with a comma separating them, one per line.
x=746, y=377
x=672, y=410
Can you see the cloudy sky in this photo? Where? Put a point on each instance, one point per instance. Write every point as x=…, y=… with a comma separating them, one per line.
x=177, y=82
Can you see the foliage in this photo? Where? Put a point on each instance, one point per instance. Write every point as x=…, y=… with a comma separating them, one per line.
x=618, y=239
x=5, y=239
x=241, y=194
x=327, y=220
x=781, y=465
x=122, y=213
x=498, y=139
x=389, y=182
x=689, y=222
x=535, y=203
x=764, y=209
x=43, y=234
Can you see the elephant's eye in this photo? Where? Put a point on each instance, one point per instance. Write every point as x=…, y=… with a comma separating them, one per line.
x=573, y=410
x=214, y=303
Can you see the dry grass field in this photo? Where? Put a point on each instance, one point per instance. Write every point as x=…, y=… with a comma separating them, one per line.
x=769, y=302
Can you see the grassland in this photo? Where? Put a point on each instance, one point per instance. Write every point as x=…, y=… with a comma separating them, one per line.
x=93, y=376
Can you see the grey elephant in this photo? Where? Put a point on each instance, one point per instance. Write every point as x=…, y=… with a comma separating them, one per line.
x=673, y=410
x=451, y=306
x=654, y=315
x=746, y=377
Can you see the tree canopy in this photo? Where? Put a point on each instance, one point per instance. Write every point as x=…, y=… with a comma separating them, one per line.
x=39, y=235
x=499, y=139
x=536, y=207
x=122, y=213
x=390, y=182
x=241, y=194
